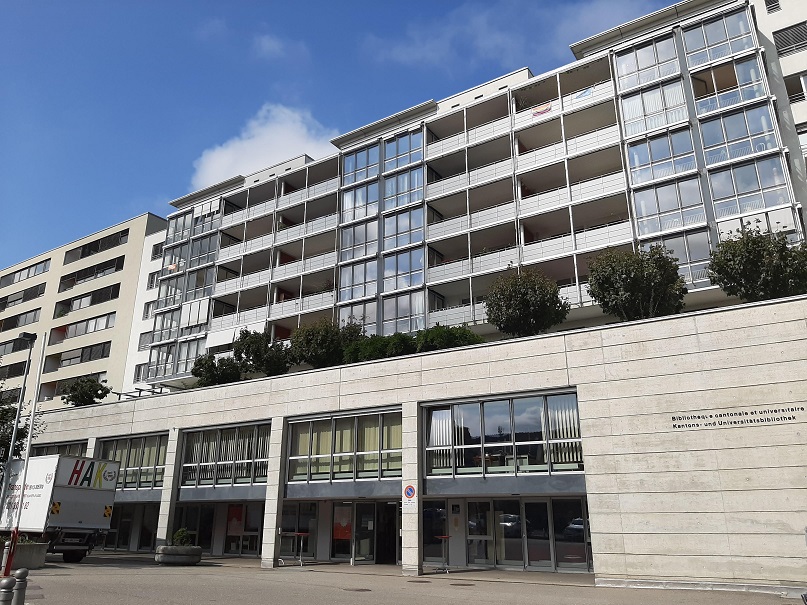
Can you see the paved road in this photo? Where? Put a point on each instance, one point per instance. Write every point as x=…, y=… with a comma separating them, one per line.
x=104, y=580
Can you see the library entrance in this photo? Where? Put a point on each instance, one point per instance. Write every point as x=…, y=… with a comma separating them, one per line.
x=366, y=532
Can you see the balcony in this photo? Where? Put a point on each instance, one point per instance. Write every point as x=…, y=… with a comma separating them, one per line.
x=540, y=157
x=499, y=259
x=586, y=96
x=296, y=197
x=303, y=266
x=491, y=172
x=445, y=145
x=448, y=185
x=320, y=224
x=729, y=97
x=449, y=270
x=299, y=305
x=554, y=246
x=456, y=316
x=598, y=187
x=602, y=237
x=545, y=200
x=602, y=137
x=576, y=297
x=489, y=130
x=536, y=114
x=224, y=322
x=231, y=252
x=259, y=243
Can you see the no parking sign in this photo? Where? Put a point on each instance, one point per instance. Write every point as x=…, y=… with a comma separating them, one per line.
x=410, y=495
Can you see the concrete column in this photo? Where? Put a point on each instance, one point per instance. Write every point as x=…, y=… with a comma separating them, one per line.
x=273, y=506
x=173, y=473
x=92, y=443
x=411, y=547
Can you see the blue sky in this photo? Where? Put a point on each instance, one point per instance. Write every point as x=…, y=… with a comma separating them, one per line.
x=112, y=109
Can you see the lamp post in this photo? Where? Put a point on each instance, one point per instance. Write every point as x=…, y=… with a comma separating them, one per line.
x=31, y=338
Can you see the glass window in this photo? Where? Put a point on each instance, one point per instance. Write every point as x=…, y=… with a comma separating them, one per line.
x=358, y=280
x=646, y=63
x=718, y=38
x=403, y=188
x=360, y=165
x=403, y=270
x=652, y=159
x=403, y=150
x=403, y=313
x=360, y=202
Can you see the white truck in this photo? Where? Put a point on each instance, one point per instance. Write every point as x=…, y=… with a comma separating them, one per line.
x=67, y=500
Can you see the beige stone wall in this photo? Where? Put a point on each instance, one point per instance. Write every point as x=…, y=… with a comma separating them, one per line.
x=716, y=504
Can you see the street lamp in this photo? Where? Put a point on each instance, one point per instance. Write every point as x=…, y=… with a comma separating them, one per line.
x=30, y=338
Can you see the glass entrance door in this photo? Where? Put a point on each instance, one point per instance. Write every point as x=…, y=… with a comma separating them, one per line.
x=364, y=535
x=539, y=552
x=353, y=533
x=480, y=533
x=508, y=528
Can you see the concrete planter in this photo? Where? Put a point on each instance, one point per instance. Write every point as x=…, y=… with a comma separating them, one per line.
x=178, y=555
x=30, y=555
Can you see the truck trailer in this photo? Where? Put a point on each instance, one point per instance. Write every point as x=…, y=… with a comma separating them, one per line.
x=67, y=501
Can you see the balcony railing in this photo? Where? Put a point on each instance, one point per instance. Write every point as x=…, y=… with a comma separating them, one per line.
x=320, y=224
x=298, y=305
x=259, y=243
x=729, y=97
x=451, y=316
x=450, y=143
x=449, y=270
x=491, y=171
x=598, y=187
x=231, y=252
x=601, y=237
x=491, y=129
x=448, y=185
x=223, y=322
x=540, y=157
x=554, y=246
x=539, y=113
x=494, y=214
x=593, y=140
x=448, y=226
x=489, y=261
x=575, y=296
x=544, y=201
x=578, y=98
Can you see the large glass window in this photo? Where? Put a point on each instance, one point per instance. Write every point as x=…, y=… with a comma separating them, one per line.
x=751, y=186
x=653, y=108
x=360, y=202
x=142, y=460
x=403, y=188
x=363, y=313
x=403, y=150
x=71, y=280
x=358, y=280
x=179, y=228
x=26, y=273
x=403, y=313
x=203, y=250
x=692, y=251
x=17, y=321
x=188, y=352
x=199, y=283
x=360, y=165
x=735, y=135
x=661, y=156
x=366, y=446
x=718, y=38
x=727, y=85
x=403, y=270
x=537, y=434
x=21, y=296
x=88, y=326
x=646, y=63
x=233, y=455
x=403, y=229
x=780, y=220
x=166, y=326
x=669, y=206
x=359, y=240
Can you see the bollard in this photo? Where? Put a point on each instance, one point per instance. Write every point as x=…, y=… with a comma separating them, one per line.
x=6, y=550
x=7, y=589
x=21, y=575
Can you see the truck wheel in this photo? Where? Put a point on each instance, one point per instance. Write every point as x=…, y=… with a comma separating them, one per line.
x=73, y=556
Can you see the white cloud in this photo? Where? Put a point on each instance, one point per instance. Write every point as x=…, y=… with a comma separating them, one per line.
x=275, y=134
x=267, y=46
x=505, y=33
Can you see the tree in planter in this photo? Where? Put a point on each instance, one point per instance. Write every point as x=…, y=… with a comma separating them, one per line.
x=85, y=391
x=759, y=266
x=210, y=371
x=525, y=304
x=637, y=285
x=322, y=344
x=445, y=337
x=255, y=352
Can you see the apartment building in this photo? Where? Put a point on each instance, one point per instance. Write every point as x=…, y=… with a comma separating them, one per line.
x=667, y=452
x=665, y=130
x=78, y=300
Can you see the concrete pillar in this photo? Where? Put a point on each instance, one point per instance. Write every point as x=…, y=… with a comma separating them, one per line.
x=92, y=443
x=273, y=506
x=411, y=548
x=171, y=479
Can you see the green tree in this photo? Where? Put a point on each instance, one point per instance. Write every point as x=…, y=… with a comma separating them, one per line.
x=322, y=344
x=255, y=352
x=759, y=266
x=525, y=304
x=85, y=391
x=637, y=285
x=8, y=412
x=210, y=371
x=445, y=337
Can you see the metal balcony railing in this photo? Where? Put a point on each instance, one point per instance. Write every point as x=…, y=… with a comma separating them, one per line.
x=598, y=187
x=540, y=157
x=544, y=201
x=491, y=129
x=595, y=139
x=538, y=113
